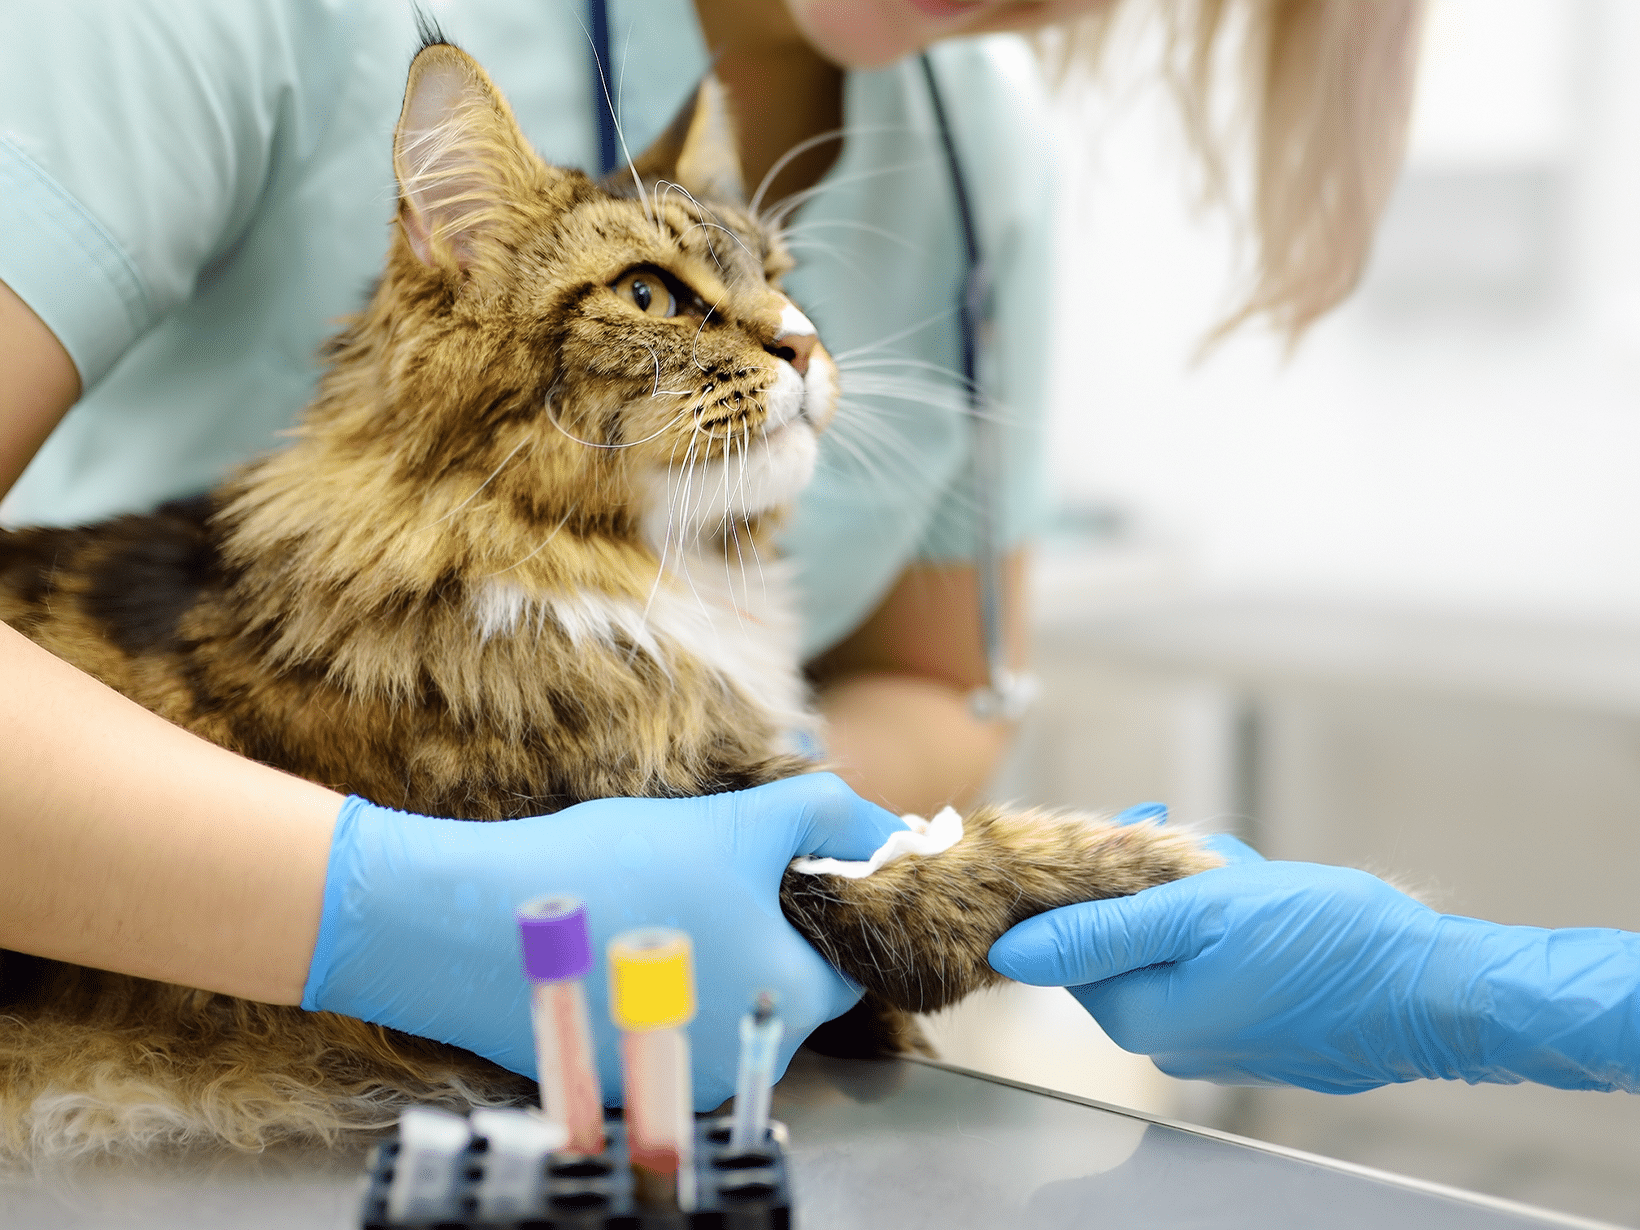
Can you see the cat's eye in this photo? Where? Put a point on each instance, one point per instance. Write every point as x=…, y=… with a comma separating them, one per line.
x=647, y=291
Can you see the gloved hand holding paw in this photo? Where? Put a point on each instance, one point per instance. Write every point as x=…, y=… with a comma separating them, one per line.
x=418, y=929
x=1293, y=973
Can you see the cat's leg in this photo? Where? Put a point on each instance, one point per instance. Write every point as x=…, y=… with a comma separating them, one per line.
x=916, y=932
x=870, y=1030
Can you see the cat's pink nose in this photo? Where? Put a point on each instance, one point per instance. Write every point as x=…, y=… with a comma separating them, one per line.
x=795, y=348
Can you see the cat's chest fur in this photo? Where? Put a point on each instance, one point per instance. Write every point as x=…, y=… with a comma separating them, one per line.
x=730, y=621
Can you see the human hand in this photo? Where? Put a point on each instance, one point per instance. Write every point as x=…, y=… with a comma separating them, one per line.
x=1328, y=978
x=419, y=930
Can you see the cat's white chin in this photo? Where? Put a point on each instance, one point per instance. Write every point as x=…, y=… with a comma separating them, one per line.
x=683, y=506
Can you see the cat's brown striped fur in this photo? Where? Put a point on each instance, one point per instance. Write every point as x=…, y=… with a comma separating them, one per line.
x=374, y=608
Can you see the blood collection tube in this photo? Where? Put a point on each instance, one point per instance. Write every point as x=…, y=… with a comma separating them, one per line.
x=557, y=956
x=513, y=1162
x=426, y=1170
x=652, y=997
x=760, y=1031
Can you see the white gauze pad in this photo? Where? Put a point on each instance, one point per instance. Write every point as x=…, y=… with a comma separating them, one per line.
x=934, y=836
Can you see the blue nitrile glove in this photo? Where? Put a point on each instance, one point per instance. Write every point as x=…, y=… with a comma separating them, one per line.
x=418, y=930
x=1292, y=973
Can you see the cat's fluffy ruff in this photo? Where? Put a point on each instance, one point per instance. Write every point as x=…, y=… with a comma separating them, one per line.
x=429, y=597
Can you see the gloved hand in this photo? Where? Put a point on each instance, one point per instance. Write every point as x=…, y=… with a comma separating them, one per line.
x=418, y=929
x=1263, y=973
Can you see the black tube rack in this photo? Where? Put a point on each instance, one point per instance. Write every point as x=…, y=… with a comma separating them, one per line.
x=736, y=1190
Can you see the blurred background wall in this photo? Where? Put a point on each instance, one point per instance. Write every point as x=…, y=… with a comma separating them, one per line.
x=1378, y=603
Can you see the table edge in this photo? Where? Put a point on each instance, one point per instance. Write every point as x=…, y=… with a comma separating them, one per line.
x=1429, y=1186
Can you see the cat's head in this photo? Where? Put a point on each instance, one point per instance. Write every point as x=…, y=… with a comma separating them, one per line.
x=608, y=358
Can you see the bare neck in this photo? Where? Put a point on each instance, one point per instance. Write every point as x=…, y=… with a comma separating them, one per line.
x=781, y=90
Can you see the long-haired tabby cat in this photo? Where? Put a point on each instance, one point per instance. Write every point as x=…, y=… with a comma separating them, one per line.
x=498, y=572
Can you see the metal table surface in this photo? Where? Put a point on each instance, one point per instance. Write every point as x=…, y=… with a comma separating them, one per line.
x=899, y=1144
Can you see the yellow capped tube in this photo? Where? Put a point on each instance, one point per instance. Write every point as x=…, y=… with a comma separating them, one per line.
x=651, y=998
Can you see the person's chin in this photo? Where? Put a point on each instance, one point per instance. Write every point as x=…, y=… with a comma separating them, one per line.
x=872, y=33
x=946, y=9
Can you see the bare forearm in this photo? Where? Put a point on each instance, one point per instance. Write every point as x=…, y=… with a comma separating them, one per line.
x=128, y=844
x=909, y=743
x=38, y=383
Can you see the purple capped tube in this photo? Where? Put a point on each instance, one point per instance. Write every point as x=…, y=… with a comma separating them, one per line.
x=557, y=956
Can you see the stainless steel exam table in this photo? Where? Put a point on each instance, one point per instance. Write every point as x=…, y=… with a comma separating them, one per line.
x=900, y=1144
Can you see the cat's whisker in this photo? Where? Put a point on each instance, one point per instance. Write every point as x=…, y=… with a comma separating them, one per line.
x=788, y=205
x=803, y=147
x=852, y=224
x=620, y=80
x=864, y=431
x=702, y=214
x=885, y=443
x=686, y=531
x=552, y=418
x=656, y=356
x=918, y=391
x=830, y=250
x=729, y=577
x=782, y=162
x=614, y=115
x=757, y=557
x=474, y=495
x=718, y=226
x=656, y=390
x=873, y=470
x=666, y=533
x=857, y=363
x=675, y=500
x=740, y=442
x=694, y=350
x=677, y=504
x=683, y=555
x=868, y=464
x=842, y=357
x=540, y=547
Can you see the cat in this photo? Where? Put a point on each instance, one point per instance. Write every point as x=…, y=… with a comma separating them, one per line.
x=497, y=572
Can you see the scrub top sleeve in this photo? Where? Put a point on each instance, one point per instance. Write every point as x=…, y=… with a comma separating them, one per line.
x=135, y=140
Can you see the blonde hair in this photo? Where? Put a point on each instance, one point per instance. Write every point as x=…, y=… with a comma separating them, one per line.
x=1321, y=111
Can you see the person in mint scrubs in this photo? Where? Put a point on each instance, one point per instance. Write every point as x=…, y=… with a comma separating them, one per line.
x=192, y=193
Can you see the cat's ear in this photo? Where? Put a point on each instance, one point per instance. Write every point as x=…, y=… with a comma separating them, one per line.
x=459, y=157
x=698, y=150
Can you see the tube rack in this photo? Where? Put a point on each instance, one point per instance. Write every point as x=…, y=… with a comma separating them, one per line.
x=736, y=1190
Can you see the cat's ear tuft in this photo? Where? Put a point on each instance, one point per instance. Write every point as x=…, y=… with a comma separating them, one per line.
x=459, y=157
x=698, y=150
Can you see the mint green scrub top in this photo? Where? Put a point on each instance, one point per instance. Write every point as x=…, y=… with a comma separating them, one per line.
x=193, y=192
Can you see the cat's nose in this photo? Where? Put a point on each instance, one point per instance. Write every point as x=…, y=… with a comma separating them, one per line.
x=795, y=348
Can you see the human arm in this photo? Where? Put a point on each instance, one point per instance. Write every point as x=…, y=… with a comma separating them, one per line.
x=1328, y=978
x=131, y=845
x=134, y=846
x=40, y=384
x=895, y=692
x=118, y=853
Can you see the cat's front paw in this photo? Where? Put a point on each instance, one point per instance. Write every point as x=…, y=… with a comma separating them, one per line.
x=915, y=932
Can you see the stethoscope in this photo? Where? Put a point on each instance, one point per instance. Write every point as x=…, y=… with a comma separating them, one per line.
x=1006, y=694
